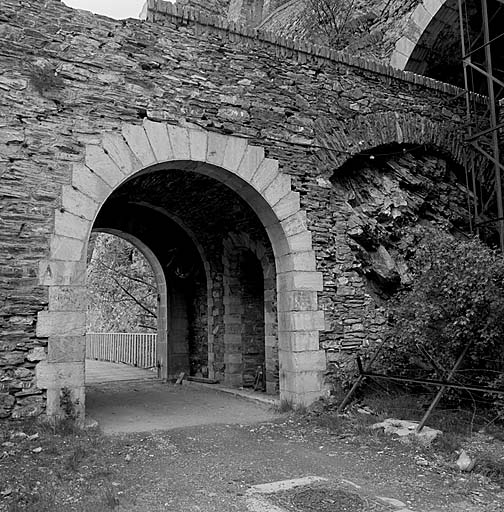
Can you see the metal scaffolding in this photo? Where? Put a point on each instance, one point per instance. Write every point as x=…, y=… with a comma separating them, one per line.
x=484, y=127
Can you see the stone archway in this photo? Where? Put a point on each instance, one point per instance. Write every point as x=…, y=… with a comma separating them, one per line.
x=160, y=279
x=232, y=161
x=419, y=22
x=235, y=247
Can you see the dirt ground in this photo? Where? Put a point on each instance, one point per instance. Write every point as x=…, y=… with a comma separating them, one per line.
x=142, y=406
x=222, y=466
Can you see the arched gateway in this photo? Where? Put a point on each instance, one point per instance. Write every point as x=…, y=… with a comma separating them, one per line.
x=156, y=149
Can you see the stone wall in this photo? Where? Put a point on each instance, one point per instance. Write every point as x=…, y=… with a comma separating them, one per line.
x=66, y=77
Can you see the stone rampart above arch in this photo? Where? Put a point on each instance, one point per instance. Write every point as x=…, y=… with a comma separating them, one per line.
x=367, y=132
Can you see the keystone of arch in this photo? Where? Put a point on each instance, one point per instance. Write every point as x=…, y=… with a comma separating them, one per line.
x=233, y=162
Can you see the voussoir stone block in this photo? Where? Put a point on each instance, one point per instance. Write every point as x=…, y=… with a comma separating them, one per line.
x=179, y=139
x=159, y=140
x=99, y=162
x=74, y=201
x=421, y=17
x=198, y=142
x=90, y=183
x=295, y=223
x=138, y=142
x=216, y=148
x=287, y=206
x=60, y=323
x=65, y=248
x=120, y=153
x=433, y=6
x=250, y=163
x=265, y=174
x=235, y=149
x=277, y=189
x=72, y=226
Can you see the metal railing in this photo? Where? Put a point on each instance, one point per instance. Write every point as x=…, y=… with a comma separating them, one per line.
x=136, y=349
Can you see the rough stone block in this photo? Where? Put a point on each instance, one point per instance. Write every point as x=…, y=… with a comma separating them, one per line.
x=198, y=140
x=58, y=323
x=302, y=398
x=90, y=184
x=74, y=201
x=301, y=320
x=301, y=383
x=298, y=300
x=138, y=142
x=66, y=249
x=64, y=273
x=300, y=242
x=100, y=163
x=303, y=361
x=179, y=138
x=69, y=225
x=59, y=375
x=300, y=281
x=121, y=154
x=65, y=349
x=159, y=140
x=235, y=149
x=67, y=298
x=298, y=341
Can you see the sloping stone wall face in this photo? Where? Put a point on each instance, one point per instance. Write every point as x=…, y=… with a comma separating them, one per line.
x=67, y=78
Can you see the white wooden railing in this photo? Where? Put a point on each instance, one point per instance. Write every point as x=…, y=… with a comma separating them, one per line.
x=136, y=349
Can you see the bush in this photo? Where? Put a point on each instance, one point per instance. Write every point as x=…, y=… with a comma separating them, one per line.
x=457, y=297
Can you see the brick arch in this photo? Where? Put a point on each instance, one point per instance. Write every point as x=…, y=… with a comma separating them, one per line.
x=121, y=155
x=232, y=245
x=365, y=133
x=426, y=21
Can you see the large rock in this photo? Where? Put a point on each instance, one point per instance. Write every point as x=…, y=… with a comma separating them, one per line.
x=406, y=431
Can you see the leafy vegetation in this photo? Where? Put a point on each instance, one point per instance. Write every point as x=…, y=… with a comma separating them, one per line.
x=456, y=300
x=122, y=288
